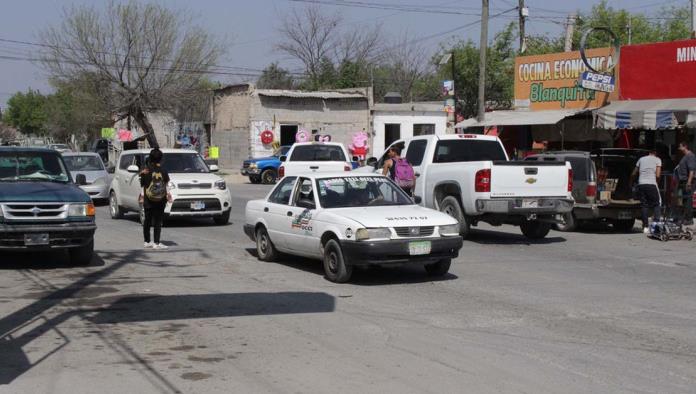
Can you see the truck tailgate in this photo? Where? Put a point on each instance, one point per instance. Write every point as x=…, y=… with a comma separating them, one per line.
x=313, y=167
x=529, y=179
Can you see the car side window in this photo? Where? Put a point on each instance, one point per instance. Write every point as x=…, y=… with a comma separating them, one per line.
x=281, y=194
x=385, y=156
x=126, y=160
x=304, y=194
x=416, y=152
x=139, y=161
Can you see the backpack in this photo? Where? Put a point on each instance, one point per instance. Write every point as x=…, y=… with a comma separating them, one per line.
x=403, y=173
x=157, y=190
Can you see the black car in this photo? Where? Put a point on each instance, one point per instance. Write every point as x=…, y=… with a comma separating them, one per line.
x=41, y=207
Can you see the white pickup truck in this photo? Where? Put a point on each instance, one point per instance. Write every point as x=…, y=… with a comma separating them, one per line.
x=470, y=177
x=306, y=158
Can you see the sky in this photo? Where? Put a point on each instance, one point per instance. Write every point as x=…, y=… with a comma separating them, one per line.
x=249, y=28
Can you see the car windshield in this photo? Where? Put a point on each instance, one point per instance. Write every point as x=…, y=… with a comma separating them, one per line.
x=184, y=163
x=356, y=191
x=32, y=166
x=318, y=153
x=83, y=163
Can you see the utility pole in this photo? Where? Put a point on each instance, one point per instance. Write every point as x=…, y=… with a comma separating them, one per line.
x=483, y=47
x=570, y=26
x=523, y=14
x=693, y=18
x=454, y=76
x=629, y=30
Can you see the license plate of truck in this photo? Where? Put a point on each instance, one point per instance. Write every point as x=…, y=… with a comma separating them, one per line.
x=625, y=215
x=198, y=205
x=529, y=203
x=36, y=239
x=419, y=248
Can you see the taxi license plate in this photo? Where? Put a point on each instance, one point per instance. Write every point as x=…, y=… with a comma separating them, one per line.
x=625, y=215
x=418, y=248
x=36, y=239
x=198, y=205
x=529, y=203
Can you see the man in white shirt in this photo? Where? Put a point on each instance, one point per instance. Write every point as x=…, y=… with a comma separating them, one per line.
x=648, y=169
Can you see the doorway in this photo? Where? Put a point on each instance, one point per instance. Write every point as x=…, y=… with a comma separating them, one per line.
x=287, y=134
x=392, y=132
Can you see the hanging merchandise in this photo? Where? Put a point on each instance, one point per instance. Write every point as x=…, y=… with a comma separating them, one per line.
x=107, y=132
x=267, y=137
x=302, y=136
x=359, y=146
x=322, y=138
x=125, y=135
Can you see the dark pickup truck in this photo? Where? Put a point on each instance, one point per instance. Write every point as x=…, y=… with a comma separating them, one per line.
x=41, y=207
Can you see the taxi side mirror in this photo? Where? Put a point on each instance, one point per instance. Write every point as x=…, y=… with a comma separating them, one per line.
x=132, y=168
x=214, y=168
x=283, y=158
x=417, y=199
x=372, y=161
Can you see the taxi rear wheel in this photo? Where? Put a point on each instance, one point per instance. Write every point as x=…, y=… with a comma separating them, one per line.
x=264, y=246
x=335, y=267
x=440, y=268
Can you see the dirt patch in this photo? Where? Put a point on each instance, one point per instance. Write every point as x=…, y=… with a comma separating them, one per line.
x=158, y=354
x=183, y=348
x=195, y=375
x=205, y=359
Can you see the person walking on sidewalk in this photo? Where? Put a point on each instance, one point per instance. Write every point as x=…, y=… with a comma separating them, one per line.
x=686, y=171
x=648, y=169
x=154, y=197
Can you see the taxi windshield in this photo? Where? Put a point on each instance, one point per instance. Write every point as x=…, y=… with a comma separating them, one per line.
x=358, y=191
x=32, y=166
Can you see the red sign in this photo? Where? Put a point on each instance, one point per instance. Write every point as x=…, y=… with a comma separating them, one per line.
x=267, y=137
x=657, y=71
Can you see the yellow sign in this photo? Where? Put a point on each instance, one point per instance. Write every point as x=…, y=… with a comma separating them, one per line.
x=548, y=82
x=214, y=152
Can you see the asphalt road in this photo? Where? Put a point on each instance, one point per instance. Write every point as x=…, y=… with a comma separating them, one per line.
x=578, y=312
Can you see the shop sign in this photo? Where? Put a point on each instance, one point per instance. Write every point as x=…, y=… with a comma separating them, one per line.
x=448, y=88
x=597, y=81
x=552, y=81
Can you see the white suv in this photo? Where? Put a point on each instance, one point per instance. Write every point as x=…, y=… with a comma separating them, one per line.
x=195, y=190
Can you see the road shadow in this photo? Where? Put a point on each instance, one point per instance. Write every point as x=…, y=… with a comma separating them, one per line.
x=365, y=276
x=44, y=260
x=492, y=237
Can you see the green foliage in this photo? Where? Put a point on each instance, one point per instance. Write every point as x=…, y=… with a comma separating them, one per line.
x=275, y=77
x=350, y=75
x=27, y=112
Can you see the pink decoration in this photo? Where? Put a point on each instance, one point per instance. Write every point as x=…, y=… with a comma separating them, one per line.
x=359, y=147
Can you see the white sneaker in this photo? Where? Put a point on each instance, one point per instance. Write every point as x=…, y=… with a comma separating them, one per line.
x=161, y=247
x=148, y=245
x=646, y=230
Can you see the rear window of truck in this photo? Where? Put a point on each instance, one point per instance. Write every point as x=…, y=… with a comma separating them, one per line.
x=452, y=151
x=318, y=153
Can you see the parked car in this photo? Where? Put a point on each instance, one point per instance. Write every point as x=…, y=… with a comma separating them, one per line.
x=41, y=207
x=349, y=220
x=264, y=169
x=196, y=191
x=62, y=148
x=469, y=177
x=618, y=207
x=89, y=164
x=315, y=158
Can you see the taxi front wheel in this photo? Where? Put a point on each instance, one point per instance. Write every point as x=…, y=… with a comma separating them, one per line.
x=335, y=267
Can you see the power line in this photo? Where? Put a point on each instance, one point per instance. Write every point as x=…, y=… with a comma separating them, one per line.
x=384, y=6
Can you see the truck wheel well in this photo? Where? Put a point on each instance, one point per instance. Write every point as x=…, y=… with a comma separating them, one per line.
x=447, y=189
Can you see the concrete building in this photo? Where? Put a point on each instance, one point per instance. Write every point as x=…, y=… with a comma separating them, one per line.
x=242, y=112
x=394, y=121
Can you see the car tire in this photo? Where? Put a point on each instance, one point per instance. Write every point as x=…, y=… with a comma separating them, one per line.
x=268, y=177
x=82, y=255
x=255, y=179
x=534, y=229
x=264, y=246
x=570, y=223
x=441, y=268
x=450, y=205
x=114, y=209
x=222, y=219
x=335, y=267
x=624, y=225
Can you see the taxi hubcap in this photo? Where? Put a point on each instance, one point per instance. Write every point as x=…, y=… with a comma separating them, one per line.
x=332, y=262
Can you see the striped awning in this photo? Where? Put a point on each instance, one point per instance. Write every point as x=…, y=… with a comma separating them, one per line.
x=647, y=114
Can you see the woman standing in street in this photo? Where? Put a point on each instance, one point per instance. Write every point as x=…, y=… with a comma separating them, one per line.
x=154, y=197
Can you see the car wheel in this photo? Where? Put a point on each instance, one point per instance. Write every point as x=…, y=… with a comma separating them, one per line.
x=264, y=246
x=450, y=206
x=268, y=177
x=569, y=223
x=335, y=267
x=222, y=219
x=534, y=229
x=255, y=179
x=440, y=268
x=83, y=254
x=114, y=208
x=624, y=225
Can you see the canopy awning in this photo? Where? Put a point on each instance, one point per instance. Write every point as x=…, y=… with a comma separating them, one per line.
x=520, y=118
x=647, y=114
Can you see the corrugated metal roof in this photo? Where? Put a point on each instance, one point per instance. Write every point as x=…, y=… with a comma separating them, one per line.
x=517, y=118
x=410, y=107
x=302, y=94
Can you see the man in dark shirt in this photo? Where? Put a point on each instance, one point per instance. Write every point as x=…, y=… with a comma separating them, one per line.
x=686, y=172
x=152, y=203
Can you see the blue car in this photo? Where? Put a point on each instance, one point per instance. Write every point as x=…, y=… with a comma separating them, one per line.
x=264, y=169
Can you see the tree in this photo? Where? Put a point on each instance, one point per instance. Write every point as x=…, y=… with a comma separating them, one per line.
x=405, y=68
x=27, y=112
x=146, y=57
x=275, y=77
x=7, y=133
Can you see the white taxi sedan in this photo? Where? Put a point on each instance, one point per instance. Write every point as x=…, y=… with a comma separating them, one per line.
x=347, y=220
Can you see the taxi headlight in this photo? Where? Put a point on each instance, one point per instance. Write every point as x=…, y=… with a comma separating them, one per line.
x=449, y=230
x=372, y=233
x=81, y=210
x=221, y=185
x=171, y=185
